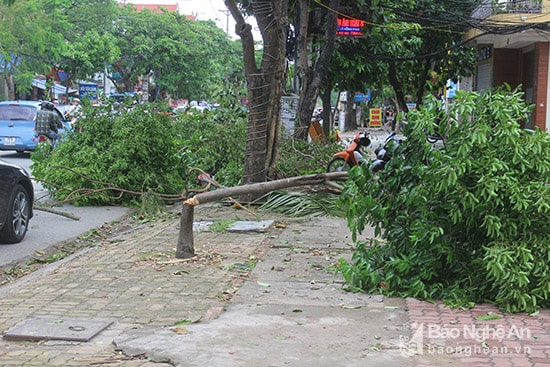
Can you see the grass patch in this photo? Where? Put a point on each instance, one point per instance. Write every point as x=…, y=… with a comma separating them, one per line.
x=221, y=225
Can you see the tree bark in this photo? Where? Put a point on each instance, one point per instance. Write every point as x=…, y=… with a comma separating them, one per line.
x=263, y=187
x=10, y=88
x=397, y=88
x=328, y=121
x=312, y=77
x=186, y=248
x=422, y=79
x=302, y=70
x=264, y=84
x=351, y=112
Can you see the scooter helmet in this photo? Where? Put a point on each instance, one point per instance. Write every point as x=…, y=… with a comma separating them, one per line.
x=364, y=139
x=47, y=105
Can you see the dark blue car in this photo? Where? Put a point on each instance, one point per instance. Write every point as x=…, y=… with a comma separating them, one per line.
x=17, y=125
x=16, y=202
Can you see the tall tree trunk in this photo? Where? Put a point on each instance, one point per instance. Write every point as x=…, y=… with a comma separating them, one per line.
x=397, y=88
x=3, y=88
x=10, y=87
x=312, y=77
x=302, y=70
x=351, y=113
x=422, y=79
x=328, y=121
x=264, y=84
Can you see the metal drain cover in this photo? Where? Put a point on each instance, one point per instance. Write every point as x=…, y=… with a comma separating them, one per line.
x=56, y=328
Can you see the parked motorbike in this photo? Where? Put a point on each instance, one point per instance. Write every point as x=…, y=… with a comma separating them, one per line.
x=352, y=155
x=383, y=154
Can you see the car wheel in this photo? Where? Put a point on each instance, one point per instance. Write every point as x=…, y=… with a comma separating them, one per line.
x=17, y=220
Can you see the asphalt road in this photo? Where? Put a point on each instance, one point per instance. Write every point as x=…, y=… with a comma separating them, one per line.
x=47, y=229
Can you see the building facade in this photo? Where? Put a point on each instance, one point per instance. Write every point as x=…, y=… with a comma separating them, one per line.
x=513, y=47
x=153, y=5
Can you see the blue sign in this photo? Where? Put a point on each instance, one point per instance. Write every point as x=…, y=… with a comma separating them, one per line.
x=451, y=89
x=362, y=97
x=88, y=90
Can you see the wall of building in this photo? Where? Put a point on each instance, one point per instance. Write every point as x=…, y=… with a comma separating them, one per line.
x=541, y=113
x=528, y=67
x=507, y=66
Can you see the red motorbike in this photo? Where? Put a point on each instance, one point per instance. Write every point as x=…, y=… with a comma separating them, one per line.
x=352, y=155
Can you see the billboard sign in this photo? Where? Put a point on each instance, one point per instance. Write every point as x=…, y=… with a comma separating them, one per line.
x=350, y=27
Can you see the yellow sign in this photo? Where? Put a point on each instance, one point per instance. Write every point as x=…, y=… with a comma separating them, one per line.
x=375, y=117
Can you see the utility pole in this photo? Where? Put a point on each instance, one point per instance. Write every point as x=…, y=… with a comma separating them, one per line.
x=226, y=12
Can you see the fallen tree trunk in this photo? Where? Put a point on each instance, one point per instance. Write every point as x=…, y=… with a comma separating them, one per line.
x=186, y=248
x=263, y=187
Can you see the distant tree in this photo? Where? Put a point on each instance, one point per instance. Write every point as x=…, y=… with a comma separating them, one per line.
x=40, y=36
x=90, y=44
x=314, y=49
x=212, y=60
x=186, y=58
x=30, y=43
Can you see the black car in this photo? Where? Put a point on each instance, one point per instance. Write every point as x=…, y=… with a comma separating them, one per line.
x=16, y=202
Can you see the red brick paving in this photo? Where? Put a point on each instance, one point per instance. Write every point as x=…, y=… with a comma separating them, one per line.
x=514, y=340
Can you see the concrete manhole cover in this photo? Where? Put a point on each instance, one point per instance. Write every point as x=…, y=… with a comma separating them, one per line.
x=56, y=328
x=238, y=226
x=250, y=226
x=203, y=225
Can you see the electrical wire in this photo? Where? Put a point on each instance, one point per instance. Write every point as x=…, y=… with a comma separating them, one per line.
x=454, y=19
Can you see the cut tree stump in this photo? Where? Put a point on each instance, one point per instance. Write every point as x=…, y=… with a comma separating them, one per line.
x=186, y=248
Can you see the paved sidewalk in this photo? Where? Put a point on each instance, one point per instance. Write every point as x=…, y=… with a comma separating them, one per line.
x=291, y=312
x=214, y=310
x=133, y=280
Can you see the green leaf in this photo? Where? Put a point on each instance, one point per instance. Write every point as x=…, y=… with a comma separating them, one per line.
x=184, y=322
x=489, y=316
